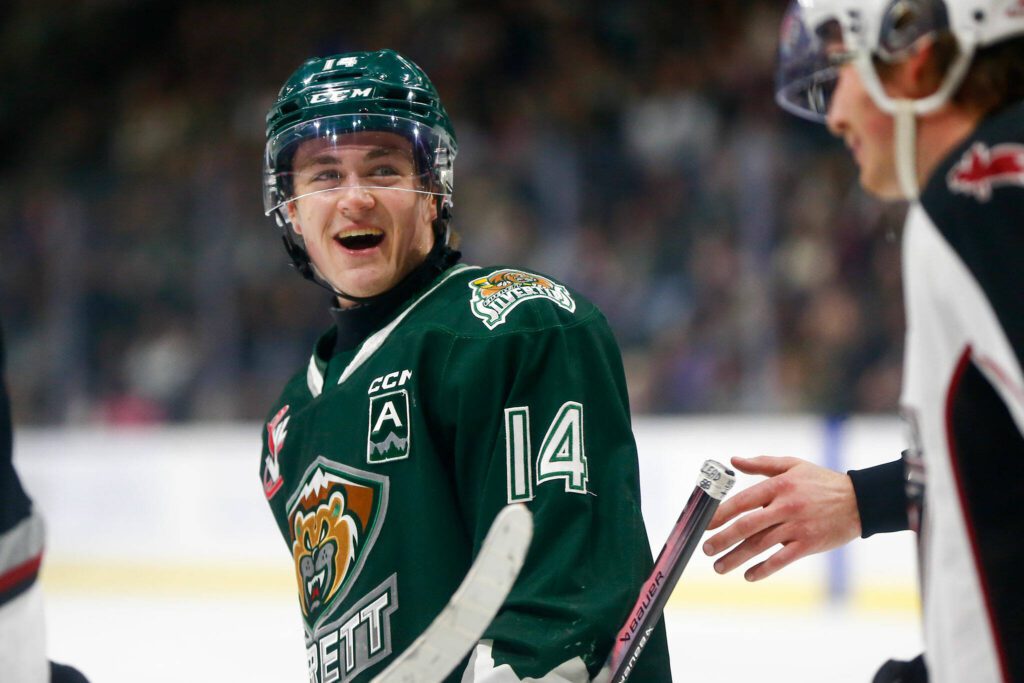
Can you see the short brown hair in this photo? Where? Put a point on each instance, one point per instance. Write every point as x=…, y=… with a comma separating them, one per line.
x=995, y=78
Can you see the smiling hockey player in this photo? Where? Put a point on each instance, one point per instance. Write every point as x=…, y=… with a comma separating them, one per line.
x=442, y=393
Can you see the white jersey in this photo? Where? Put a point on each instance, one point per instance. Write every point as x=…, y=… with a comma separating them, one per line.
x=963, y=394
x=22, y=646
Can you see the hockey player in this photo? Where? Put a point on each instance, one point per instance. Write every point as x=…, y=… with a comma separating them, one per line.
x=22, y=632
x=442, y=393
x=929, y=97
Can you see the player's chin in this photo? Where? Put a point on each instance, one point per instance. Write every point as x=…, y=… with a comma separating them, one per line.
x=365, y=282
x=882, y=185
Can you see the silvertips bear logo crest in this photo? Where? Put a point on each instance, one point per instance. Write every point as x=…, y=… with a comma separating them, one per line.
x=495, y=295
x=334, y=517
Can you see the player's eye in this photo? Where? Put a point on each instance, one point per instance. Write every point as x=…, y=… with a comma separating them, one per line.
x=384, y=170
x=327, y=175
x=383, y=174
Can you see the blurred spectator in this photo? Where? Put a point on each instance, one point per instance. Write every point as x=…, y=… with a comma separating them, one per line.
x=612, y=142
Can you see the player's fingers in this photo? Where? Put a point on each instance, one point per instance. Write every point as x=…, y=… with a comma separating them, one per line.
x=767, y=465
x=786, y=555
x=751, y=547
x=741, y=530
x=757, y=496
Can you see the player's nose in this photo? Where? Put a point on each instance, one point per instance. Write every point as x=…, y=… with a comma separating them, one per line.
x=353, y=199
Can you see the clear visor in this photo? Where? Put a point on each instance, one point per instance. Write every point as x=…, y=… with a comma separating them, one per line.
x=808, y=64
x=361, y=151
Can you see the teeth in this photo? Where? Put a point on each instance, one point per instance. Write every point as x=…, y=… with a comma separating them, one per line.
x=317, y=579
x=361, y=232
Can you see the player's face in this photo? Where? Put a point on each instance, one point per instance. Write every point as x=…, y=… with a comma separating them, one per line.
x=364, y=224
x=867, y=132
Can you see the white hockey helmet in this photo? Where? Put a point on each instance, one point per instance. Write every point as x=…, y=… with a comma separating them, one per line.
x=817, y=36
x=884, y=30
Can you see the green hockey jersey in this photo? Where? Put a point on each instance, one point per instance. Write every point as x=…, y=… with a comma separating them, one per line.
x=384, y=466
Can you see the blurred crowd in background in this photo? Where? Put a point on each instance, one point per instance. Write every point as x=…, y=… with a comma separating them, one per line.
x=630, y=148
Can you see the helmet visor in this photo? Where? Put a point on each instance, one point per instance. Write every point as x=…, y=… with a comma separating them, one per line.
x=808, y=64
x=366, y=151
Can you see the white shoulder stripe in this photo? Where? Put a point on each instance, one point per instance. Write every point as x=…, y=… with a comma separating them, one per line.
x=314, y=378
x=22, y=542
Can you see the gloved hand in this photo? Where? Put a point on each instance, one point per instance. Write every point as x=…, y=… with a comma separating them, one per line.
x=899, y=671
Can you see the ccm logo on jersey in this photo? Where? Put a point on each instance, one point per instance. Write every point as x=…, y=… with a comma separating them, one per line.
x=981, y=170
x=392, y=380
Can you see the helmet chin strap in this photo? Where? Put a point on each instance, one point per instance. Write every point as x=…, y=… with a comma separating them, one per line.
x=905, y=144
x=906, y=111
x=302, y=263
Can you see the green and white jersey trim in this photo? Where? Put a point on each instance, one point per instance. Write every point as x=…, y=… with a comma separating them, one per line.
x=315, y=372
x=315, y=376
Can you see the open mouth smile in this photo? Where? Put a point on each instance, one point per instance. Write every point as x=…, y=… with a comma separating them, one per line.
x=360, y=239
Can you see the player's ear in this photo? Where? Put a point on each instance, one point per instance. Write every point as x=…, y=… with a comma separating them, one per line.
x=429, y=207
x=293, y=216
x=919, y=74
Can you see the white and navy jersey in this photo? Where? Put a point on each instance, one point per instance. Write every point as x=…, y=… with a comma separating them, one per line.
x=22, y=648
x=21, y=529
x=963, y=393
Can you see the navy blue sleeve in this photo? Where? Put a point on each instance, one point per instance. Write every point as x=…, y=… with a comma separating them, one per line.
x=881, y=498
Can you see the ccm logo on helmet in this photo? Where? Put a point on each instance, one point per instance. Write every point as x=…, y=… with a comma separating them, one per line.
x=339, y=95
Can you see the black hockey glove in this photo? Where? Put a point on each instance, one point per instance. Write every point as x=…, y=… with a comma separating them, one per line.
x=898, y=671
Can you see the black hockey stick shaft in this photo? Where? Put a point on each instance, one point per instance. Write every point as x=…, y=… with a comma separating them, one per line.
x=714, y=482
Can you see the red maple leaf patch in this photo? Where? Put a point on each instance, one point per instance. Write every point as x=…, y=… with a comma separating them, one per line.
x=980, y=170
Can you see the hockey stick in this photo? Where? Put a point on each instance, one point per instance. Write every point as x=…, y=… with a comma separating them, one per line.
x=714, y=482
x=458, y=627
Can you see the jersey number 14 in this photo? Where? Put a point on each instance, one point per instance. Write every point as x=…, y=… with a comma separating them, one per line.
x=561, y=457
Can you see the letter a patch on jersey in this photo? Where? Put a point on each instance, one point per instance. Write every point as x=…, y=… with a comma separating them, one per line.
x=388, y=433
x=495, y=295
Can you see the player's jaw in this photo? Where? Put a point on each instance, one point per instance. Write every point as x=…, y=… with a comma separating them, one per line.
x=365, y=251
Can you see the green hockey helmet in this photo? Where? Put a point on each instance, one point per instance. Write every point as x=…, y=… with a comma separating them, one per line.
x=328, y=98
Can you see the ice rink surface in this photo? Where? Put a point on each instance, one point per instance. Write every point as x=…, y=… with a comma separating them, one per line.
x=128, y=639
x=164, y=564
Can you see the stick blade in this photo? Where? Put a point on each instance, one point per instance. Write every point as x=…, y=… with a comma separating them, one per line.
x=462, y=622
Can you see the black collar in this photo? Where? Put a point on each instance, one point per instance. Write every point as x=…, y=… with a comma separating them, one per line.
x=355, y=324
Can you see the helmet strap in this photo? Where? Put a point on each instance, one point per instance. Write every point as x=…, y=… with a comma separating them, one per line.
x=302, y=263
x=905, y=144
